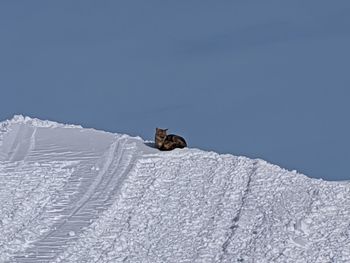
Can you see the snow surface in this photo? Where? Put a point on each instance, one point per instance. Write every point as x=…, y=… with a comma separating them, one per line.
x=82, y=195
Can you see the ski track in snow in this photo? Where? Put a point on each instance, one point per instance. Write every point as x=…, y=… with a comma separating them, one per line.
x=69, y=194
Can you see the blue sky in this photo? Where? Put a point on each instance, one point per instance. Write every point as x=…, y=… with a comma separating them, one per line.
x=265, y=79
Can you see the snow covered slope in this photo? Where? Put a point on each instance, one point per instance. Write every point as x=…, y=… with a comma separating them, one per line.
x=69, y=194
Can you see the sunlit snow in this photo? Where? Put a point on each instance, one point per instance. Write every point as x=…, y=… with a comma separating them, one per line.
x=69, y=194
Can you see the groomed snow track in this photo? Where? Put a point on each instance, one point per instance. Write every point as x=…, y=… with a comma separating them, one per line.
x=69, y=194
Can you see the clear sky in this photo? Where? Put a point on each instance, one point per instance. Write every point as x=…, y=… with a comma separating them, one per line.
x=264, y=79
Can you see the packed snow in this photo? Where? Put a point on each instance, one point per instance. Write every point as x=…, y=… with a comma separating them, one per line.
x=69, y=194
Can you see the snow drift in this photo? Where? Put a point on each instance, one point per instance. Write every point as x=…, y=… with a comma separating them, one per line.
x=69, y=194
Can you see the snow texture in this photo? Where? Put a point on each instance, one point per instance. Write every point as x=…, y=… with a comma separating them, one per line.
x=82, y=195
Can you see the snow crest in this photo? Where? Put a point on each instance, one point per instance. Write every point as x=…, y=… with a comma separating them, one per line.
x=81, y=195
x=20, y=119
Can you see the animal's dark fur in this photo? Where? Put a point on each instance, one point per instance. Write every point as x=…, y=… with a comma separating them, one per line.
x=169, y=142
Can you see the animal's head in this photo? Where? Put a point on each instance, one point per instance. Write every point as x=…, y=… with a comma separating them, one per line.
x=161, y=132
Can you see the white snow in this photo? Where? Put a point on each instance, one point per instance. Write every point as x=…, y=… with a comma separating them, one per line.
x=82, y=195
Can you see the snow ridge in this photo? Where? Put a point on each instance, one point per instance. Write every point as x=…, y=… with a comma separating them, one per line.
x=82, y=195
x=20, y=119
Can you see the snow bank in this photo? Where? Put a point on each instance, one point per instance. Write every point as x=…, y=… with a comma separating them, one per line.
x=20, y=119
x=81, y=195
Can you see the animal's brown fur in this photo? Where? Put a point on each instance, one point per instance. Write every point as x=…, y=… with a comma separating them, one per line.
x=169, y=142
